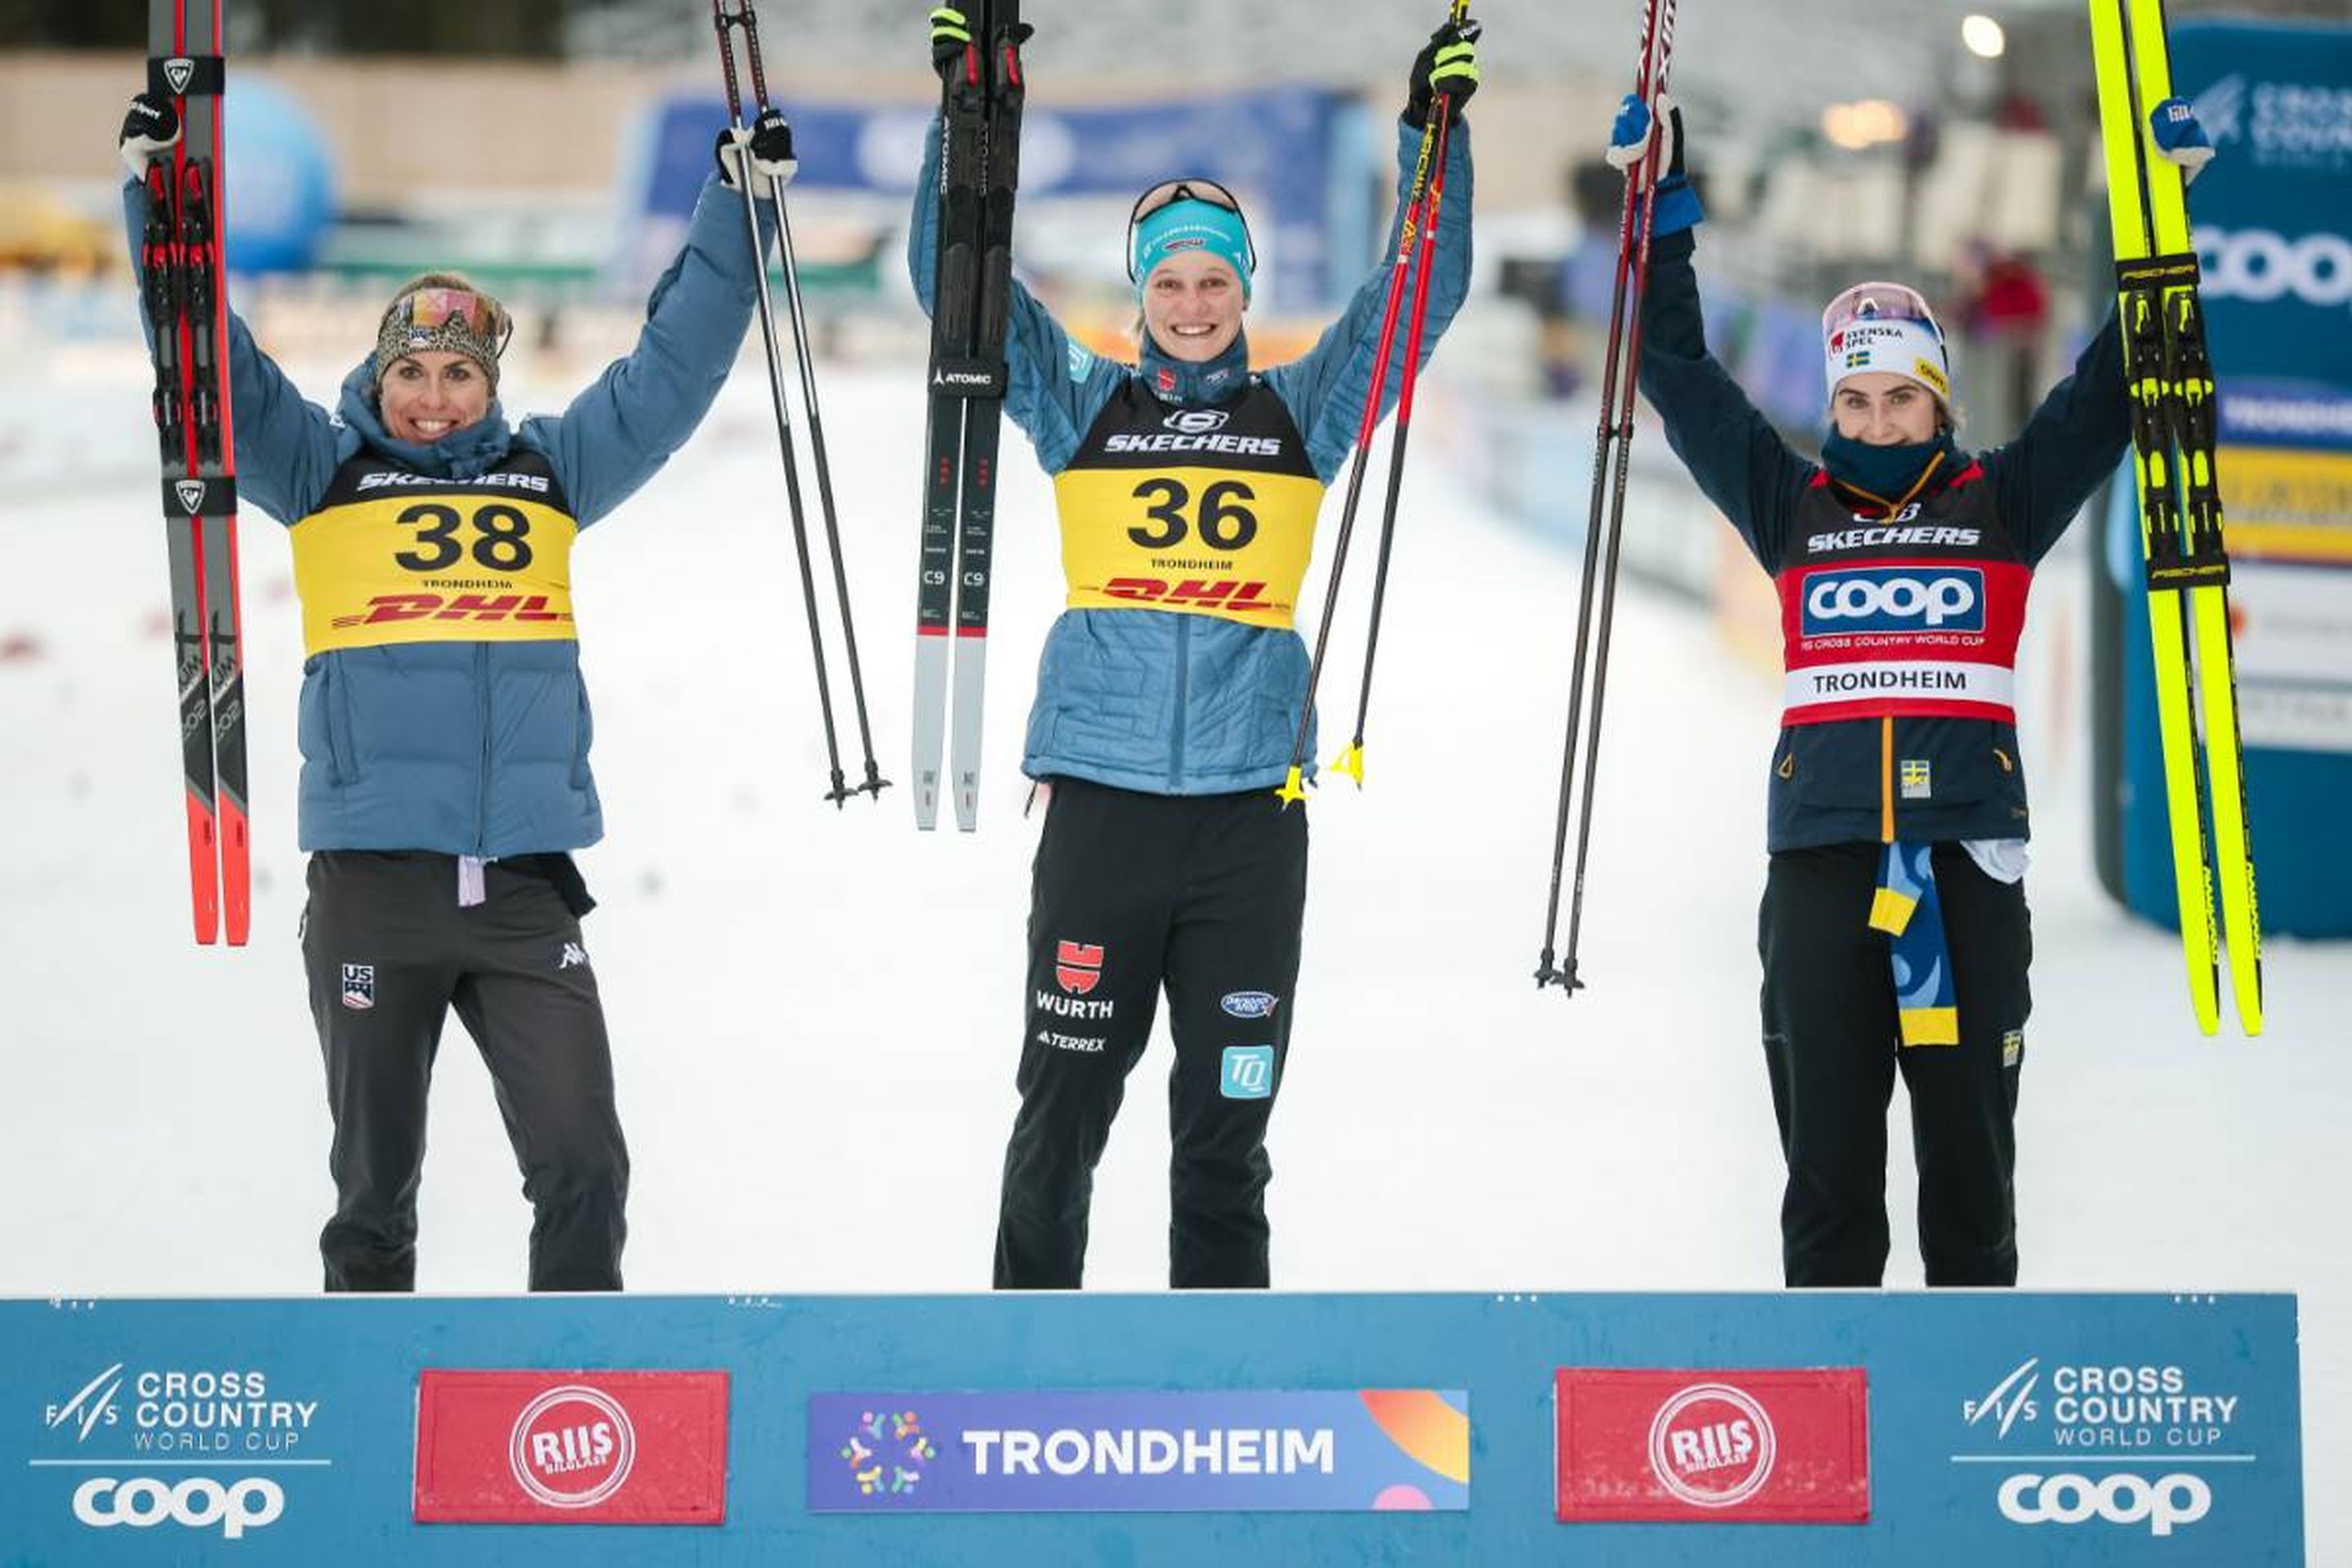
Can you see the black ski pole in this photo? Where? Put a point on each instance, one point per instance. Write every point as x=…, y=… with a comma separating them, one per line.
x=723, y=18
x=875, y=782
x=1612, y=437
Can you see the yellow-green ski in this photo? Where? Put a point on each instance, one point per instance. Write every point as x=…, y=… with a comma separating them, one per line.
x=2173, y=437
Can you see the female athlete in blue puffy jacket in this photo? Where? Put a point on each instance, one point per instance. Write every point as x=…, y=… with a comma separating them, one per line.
x=1169, y=695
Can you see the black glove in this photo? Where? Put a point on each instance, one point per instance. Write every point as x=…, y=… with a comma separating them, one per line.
x=950, y=37
x=1447, y=64
x=151, y=126
x=772, y=162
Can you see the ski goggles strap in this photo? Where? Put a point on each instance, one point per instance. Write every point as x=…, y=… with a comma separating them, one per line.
x=1220, y=236
x=429, y=310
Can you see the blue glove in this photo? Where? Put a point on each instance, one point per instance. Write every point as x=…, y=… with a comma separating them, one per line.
x=2180, y=137
x=1677, y=206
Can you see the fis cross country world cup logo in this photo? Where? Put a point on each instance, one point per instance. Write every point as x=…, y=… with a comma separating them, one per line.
x=888, y=1453
x=573, y=1446
x=1862, y=599
x=1077, y=966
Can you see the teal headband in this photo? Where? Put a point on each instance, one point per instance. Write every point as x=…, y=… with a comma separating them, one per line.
x=1191, y=225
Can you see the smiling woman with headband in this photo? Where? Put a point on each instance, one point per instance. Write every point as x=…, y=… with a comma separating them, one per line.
x=1188, y=486
x=443, y=723
x=1894, y=932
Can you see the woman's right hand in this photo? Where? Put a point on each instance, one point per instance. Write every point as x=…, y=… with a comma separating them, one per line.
x=152, y=126
x=1677, y=205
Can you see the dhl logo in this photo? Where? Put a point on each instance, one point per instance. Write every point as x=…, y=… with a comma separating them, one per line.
x=387, y=607
x=1228, y=594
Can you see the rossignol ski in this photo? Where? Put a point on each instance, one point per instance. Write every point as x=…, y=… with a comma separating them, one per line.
x=1613, y=436
x=2170, y=376
x=1428, y=171
x=186, y=303
x=727, y=17
x=979, y=159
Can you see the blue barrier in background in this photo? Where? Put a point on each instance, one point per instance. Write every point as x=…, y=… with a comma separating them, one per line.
x=2001, y=1428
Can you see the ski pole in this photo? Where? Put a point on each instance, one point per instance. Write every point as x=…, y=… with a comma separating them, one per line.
x=1614, y=437
x=875, y=782
x=1408, y=232
x=722, y=19
x=1351, y=760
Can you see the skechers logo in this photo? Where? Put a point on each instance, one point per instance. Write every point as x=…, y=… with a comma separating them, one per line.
x=1894, y=599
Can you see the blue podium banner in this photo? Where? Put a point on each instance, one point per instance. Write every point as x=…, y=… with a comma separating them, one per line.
x=1258, y=1428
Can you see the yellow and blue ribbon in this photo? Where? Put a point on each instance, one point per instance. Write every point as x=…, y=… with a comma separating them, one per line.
x=1906, y=908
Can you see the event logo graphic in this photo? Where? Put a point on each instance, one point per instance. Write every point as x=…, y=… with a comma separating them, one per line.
x=887, y=1452
x=573, y=1446
x=2164, y=1505
x=1146, y=1451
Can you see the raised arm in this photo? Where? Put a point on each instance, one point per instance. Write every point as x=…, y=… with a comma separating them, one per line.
x=618, y=433
x=1326, y=388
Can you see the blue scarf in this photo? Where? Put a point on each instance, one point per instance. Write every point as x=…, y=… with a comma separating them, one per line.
x=1888, y=471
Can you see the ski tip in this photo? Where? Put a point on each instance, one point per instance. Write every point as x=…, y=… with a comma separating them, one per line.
x=1352, y=763
x=1293, y=788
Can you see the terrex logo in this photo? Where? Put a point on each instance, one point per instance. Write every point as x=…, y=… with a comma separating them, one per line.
x=1077, y=966
x=1712, y=1446
x=2163, y=1505
x=1195, y=421
x=573, y=1446
x=1894, y=599
x=386, y=608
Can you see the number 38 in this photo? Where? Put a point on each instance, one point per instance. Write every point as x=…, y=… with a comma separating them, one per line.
x=501, y=541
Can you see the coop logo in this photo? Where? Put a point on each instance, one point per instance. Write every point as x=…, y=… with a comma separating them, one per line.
x=2262, y=266
x=1894, y=599
x=1229, y=594
x=385, y=608
x=2163, y=1505
x=199, y=1502
x=1712, y=1446
x=573, y=1446
x=1195, y=421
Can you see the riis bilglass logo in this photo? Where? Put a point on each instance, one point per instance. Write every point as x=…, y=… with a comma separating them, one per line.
x=1140, y=1451
x=2136, y=1446
x=196, y=1447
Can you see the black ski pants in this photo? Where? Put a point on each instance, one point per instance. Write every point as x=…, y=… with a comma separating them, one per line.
x=389, y=951
x=1832, y=1046
x=1202, y=896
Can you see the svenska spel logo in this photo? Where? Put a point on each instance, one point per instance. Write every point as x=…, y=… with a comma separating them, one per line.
x=573, y=1446
x=1712, y=1446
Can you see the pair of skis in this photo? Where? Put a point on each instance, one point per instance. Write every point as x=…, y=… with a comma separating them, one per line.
x=186, y=303
x=1613, y=439
x=728, y=17
x=2170, y=376
x=1416, y=253
x=980, y=161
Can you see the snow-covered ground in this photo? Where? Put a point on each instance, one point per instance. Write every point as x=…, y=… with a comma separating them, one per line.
x=816, y=1015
